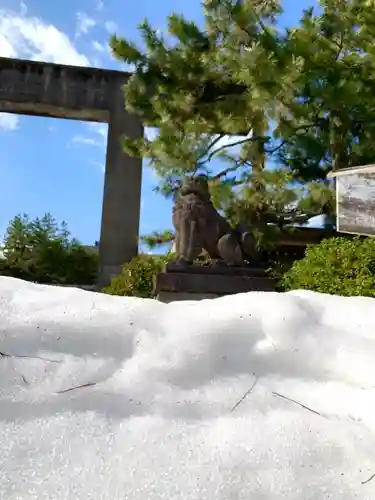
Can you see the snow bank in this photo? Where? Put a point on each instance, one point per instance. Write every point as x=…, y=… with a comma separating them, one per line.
x=257, y=396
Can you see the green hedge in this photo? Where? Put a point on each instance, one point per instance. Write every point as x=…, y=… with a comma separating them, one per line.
x=137, y=276
x=54, y=265
x=337, y=266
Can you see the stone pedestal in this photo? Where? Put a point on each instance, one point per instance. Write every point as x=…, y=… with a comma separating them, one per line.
x=206, y=282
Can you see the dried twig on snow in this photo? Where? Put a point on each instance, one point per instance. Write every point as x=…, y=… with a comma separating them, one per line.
x=369, y=479
x=77, y=387
x=7, y=355
x=246, y=394
x=297, y=403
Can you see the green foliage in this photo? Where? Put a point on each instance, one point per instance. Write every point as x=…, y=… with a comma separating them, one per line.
x=338, y=266
x=238, y=75
x=137, y=276
x=315, y=82
x=277, y=270
x=214, y=81
x=41, y=250
x=334, y=91
x=158, y=238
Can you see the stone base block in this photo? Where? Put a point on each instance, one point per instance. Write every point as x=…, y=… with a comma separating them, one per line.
x=105, y=276
x=203, y=282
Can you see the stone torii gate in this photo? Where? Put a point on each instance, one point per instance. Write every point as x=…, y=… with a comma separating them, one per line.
x=88, y=94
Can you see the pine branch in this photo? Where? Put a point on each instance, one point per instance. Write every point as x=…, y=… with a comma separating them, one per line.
x=304, y=128
x=227, y=170
x=158, y=238
x=205, y=153
x=236, y=143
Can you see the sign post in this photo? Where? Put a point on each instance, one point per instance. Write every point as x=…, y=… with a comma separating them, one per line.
x=355, y=200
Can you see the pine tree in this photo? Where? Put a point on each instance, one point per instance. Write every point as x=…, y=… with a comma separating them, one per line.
x=42, y=250
x=238, y=75
x=233, y=77
x=335, y=91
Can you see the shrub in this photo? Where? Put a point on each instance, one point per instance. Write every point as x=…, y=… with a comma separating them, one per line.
x=137, y=276
x=337, y=266
x=42, y=250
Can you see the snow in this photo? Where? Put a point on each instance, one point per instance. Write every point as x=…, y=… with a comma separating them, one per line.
x=171, y=415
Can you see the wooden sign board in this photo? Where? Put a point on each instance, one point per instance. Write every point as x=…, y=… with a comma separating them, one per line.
x=355, y=200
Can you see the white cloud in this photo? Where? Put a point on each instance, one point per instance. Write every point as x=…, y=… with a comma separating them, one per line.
x=23, y=8
x=30, y=37
x=100, y=130
x=110, y=26
x=6, y=48
x=80, y=139
x=99, y=47
x=84, y=23
x=97, y=135
x=99, y=5
x=8, y=122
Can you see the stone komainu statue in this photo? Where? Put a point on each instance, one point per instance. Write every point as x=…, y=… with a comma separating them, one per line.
x=199, y=227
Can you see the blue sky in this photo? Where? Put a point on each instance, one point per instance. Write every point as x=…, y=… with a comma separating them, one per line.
x=57, y=166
